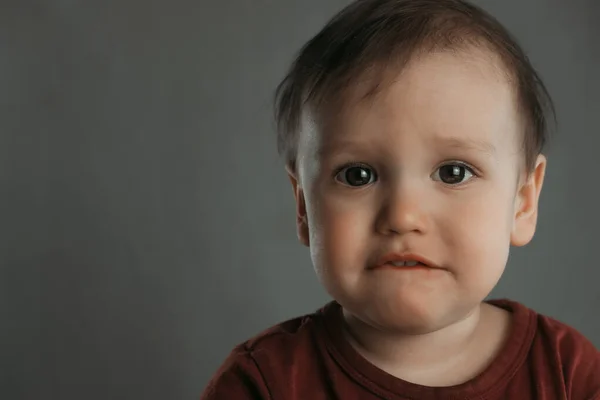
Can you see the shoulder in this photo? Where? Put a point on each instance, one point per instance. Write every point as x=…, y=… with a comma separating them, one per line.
x=255, y=367
x=284, y=337
x=237, y=378
x=563, y=352
x=577, y=357
x=566, y=338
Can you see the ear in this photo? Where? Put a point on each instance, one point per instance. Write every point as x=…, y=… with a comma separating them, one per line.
x=527, y=200
x=301, y=218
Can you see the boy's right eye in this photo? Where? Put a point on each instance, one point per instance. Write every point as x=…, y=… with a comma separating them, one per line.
x=356, y=175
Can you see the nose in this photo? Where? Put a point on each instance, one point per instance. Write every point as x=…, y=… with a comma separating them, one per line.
x=402, y=210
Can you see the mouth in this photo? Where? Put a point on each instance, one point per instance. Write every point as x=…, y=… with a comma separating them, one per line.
x=405, y=261
x=406, y=265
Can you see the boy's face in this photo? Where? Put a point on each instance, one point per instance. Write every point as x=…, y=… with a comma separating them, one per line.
x=430, y=167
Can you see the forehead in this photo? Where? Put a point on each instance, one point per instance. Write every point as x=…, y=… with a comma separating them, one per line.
x=442, y=96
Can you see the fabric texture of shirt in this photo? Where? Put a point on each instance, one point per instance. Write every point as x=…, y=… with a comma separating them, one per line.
x=309, y=358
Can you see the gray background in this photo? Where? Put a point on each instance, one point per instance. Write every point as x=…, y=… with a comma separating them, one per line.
x=146, y=223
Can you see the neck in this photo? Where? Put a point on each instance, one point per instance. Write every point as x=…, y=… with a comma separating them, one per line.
x=395, y=351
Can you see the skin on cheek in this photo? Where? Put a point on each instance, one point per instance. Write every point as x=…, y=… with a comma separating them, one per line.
x=340, y=231
x=483, y=239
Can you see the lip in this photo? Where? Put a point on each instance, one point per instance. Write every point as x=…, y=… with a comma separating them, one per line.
x=387, y=260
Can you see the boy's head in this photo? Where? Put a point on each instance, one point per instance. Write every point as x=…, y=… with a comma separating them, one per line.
x=412, y=129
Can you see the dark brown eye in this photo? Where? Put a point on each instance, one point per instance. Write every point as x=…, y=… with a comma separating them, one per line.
x=453, y=174
x=356, y=176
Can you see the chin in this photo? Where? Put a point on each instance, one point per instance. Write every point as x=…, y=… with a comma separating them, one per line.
x=411, y=316
x=412, y=322
x=410, y=325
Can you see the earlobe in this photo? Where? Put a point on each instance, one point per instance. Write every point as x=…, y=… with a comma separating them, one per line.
x=527, y=203
x=301, y=217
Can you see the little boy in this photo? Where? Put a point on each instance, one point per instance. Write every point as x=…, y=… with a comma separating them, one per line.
x=412, y=132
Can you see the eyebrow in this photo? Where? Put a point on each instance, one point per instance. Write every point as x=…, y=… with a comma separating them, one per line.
x=331, y=148
x=468, y=144
x=345, y=146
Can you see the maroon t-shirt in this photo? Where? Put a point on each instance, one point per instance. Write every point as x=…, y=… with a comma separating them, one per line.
x=309, y=358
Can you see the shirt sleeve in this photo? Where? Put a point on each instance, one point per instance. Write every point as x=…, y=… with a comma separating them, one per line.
x=238, y=378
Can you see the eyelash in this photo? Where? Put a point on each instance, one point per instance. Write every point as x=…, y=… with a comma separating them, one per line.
x=350, y=165
x=471, y=168
x=353, y=165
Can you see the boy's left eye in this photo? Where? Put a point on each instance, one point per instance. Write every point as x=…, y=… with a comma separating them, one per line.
x=453, y=174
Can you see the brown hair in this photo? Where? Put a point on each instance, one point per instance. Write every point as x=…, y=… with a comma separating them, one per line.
x=374, y=35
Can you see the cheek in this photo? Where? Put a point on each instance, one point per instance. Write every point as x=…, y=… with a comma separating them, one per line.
x=478, y=235
x=340, y=230
x=483, y=221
